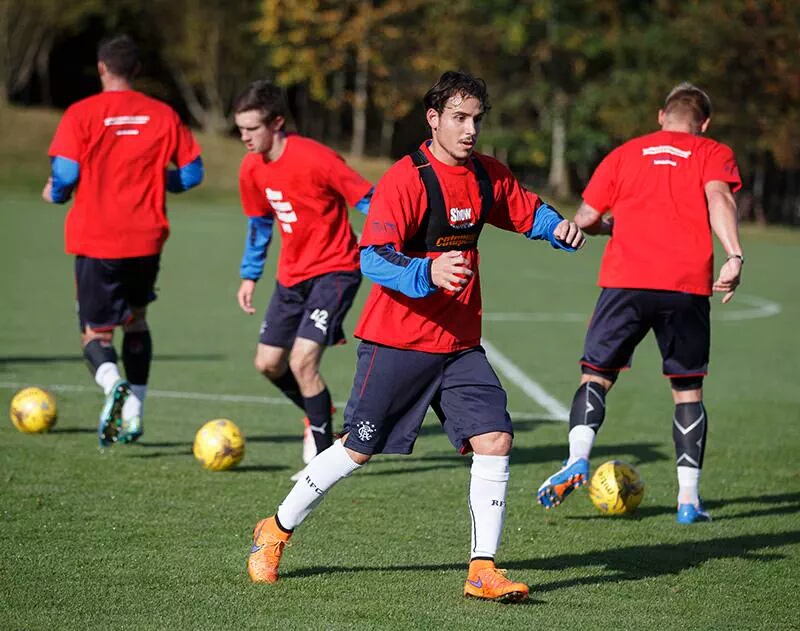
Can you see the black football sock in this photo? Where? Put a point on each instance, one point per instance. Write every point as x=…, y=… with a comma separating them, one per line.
x=318, y=410
x=287, y=384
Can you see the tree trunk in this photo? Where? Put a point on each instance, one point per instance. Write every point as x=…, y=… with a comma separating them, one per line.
x=558, y=179
x=335, y=112
x=759, y=186
x=5, y=69
x=43, y=70
x=387, y=136
x=360, y=100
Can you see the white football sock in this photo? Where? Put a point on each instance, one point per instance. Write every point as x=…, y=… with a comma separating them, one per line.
x=317, y=479
x=688, y=481
x=106, y=376
x=487, y=503
x=134, y=404
x=581, y=440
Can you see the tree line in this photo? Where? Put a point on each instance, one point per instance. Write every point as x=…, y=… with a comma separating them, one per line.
x=568, y=79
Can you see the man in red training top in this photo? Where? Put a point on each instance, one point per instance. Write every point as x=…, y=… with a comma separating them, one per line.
x=421, y=328
x=667, y=190
x=305, y=187
x=114, y=149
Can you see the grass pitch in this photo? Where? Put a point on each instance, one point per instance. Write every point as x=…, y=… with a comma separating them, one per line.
x=141, y=537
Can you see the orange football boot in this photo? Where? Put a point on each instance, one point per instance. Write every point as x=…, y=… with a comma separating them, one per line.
x=265, y=555
x=485, y=581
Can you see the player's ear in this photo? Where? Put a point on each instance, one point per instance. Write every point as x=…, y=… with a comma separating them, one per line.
x=704, y=125
x=661, y=117
x=102, y=69
x=278, y=122
x=432, y=117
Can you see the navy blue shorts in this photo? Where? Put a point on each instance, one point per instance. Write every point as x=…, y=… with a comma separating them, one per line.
x=314, y=310
x=108, y=289
x=393, y=388
x=681, y=323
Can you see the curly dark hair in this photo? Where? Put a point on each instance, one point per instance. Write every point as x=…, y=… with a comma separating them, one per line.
x=265, y=97
x=454, y=83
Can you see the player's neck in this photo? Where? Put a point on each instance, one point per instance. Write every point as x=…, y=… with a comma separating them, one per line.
x=115, y=84
x=278, y=146
x=679, y=126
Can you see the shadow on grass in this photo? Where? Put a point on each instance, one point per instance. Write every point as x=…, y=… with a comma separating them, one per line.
x=637, y=453
x=61, y=359
x=632, y=563
x=786, y=504
x=72, y=430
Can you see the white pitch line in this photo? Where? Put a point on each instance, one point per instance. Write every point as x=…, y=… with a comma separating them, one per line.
x=525, y=383
x=229, y=398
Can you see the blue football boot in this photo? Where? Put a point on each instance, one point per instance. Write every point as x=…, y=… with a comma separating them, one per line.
x=111, y=414
x=691, y=513
x=555, y=488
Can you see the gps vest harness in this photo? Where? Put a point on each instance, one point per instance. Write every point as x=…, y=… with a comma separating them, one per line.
x=436, y=233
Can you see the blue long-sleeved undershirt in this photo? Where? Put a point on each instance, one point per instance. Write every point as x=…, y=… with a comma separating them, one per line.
x=544, y=223
x=412, y=276
x=259, y=236
x=362, y=205
x=186, y=177
x=65, y=174
x=388, y=267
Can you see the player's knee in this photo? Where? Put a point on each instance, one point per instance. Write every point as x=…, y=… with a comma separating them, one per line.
x=270, y=367
x=304, y=366
x=492, y=444
x=137, y=322
x=90, y=335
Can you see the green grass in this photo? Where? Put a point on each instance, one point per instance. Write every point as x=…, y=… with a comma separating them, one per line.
x=141, y=537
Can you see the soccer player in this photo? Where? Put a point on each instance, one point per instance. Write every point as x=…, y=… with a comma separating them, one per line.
x=421, y=328
x=305, y=187
x=667, y=191
x=113, y=150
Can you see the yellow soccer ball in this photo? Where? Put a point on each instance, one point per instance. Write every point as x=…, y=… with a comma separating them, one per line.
x=219, y=445
x=33, y=411
x=616, y=488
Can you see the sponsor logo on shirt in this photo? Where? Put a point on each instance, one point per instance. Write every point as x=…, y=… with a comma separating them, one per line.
x=456, y=240
x=460, y=218
x=116, y=121
x=666, y=150
x=283, y=209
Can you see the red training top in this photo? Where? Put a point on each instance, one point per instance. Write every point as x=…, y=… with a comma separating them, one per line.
x=308, y=189
x=442, y=322
x=123, y=143
x=654, y=185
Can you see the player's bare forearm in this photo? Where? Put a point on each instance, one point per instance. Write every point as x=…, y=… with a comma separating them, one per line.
x=723, y=216
x=591, y=221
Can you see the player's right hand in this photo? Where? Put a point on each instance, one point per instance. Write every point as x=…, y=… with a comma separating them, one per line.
x=245, y=296
x=451, y=271
x=47, y=191
x=730, y=275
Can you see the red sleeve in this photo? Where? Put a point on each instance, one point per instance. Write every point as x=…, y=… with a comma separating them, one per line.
x=721, y=165
x=186, y=148
x=395, y=207
x=254, y=202
x=514, y=206
x=347, y=181
x=68, y=138
x=601, y=189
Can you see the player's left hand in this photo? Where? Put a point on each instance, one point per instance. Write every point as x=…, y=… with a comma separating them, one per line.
x=730, y=275
x=569, y=233
x=47, y=191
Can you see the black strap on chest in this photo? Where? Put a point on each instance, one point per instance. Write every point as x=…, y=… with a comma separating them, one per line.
x=435, y=232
